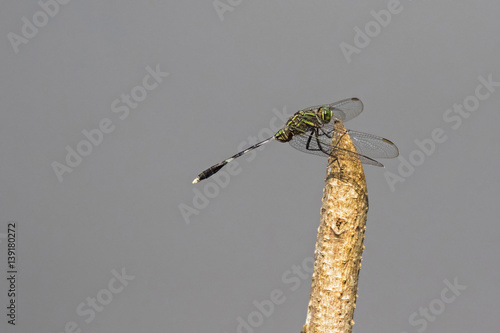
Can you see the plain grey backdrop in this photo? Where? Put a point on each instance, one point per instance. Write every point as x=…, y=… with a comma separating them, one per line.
x=117, y=239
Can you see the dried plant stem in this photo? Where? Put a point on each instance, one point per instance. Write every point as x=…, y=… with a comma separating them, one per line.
x=339, y=246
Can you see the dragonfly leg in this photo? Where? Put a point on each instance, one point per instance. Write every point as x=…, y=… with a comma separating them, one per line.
x=328, y=153
x=316, y=135
x=341, y=167
x=331, y=137
x=325, y=133
x=342, y=136
x=309, y=141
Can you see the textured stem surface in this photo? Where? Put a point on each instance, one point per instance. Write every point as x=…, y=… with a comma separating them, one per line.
x=339, y=246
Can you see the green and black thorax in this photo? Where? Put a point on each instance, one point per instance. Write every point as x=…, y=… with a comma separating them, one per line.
x=302, y=121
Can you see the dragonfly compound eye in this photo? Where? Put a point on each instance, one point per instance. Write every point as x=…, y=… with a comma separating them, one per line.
x=326, y=114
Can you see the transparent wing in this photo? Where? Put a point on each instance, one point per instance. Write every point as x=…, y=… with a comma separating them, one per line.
x=344, y=110
x=372, y=145
x=312, y=143
x=366, y=144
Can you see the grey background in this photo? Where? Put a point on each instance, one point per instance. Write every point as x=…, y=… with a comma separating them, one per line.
x=121, y=207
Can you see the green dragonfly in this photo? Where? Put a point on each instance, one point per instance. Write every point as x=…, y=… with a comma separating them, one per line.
x=311, y=130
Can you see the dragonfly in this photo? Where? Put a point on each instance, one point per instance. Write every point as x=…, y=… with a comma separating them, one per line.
x=311, y=130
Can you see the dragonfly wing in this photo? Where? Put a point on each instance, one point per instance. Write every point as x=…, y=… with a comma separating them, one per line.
x=372, y=145
x=322, y=146
x=344, y=110
x=307, y=143
x=366, y=144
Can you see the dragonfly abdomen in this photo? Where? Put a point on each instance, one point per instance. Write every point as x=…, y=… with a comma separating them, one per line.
x=215, y=168
x=212, y=170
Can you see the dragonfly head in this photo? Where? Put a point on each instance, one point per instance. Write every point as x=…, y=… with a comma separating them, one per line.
x=325, y=114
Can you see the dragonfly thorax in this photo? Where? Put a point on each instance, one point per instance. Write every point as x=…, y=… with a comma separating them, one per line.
x=303, y=121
